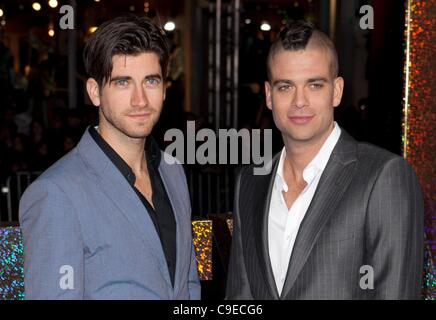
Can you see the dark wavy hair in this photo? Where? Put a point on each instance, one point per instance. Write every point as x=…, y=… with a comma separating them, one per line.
x=125, y=35
x=297, y=35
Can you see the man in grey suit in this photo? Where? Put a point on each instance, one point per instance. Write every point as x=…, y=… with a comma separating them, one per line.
x=335, y=218
x=112, y=218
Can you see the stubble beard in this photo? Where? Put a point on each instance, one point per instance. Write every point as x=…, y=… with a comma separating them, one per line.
x=135, y=130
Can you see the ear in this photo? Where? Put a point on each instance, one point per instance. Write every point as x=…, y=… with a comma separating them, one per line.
x=268, y=97
x=338, y=88
x=93, y=91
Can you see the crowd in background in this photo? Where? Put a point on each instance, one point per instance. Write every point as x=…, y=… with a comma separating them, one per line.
x=28, y=143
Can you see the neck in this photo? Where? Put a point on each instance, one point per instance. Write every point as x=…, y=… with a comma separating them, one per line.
x=131, y=150
x=300, y=154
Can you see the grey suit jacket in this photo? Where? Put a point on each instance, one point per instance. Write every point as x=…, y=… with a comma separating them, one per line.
x=366, y=211
x=86, y=234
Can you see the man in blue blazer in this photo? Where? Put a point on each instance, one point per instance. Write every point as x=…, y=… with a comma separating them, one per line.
x=112, y=218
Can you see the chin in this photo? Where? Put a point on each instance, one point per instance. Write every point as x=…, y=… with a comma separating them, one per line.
x=301, y=136
x=141, y=135
x=138, y=134
x=138, y=131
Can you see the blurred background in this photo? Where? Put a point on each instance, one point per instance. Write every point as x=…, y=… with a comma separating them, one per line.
x=216, y=78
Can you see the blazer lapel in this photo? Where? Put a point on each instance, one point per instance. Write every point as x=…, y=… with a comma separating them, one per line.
x=260, y=207
x=331, y=188
x=182, y=250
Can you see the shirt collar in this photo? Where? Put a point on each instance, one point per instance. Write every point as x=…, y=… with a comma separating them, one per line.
x=323, y=155
x=279, y=175
x=317, y=164
x=152, y=154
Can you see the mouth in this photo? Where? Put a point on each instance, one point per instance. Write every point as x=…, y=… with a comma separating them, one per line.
x=301, y=119
x=141, y=115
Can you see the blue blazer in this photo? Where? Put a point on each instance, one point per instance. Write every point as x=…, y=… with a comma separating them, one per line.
x=86, y=234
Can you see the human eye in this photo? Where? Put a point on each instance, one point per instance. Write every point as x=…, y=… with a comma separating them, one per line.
x=284, y=87
x=152, y=82
x=316, y=86
x=121, y=82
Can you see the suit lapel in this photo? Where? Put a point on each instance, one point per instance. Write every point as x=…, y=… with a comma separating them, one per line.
x=181, y=237
x=331, y=188
x=123, y=197
x=260, y=207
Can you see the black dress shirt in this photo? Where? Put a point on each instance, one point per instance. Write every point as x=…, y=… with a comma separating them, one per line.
x=162, y=214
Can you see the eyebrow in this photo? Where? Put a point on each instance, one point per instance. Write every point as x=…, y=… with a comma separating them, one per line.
x=276, y=82
x=154, y=76
x=318, y=79
x=311, y=80
x=125, y=78
x=117, y=78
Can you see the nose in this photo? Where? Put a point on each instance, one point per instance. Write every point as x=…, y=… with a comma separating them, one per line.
x=299, y=99
x=139, y=97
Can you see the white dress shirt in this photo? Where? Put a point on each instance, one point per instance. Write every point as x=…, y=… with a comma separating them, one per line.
x=283, y=223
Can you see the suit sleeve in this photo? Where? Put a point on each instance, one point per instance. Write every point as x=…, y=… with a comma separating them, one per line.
x=52, y=242
x=237, y=287
x=396, y=232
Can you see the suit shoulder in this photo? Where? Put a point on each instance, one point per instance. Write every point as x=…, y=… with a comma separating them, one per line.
x=169, y=159
x=66, y=171
x=371, y=150
x=377, y=161
x=171, y=164
x=245, y=174
x=252, y=171
x=370, y=153
x=173, y=168
x=244, y=171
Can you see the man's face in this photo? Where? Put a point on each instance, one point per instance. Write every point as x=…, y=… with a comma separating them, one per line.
x=302, y=93
x=131, y=100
